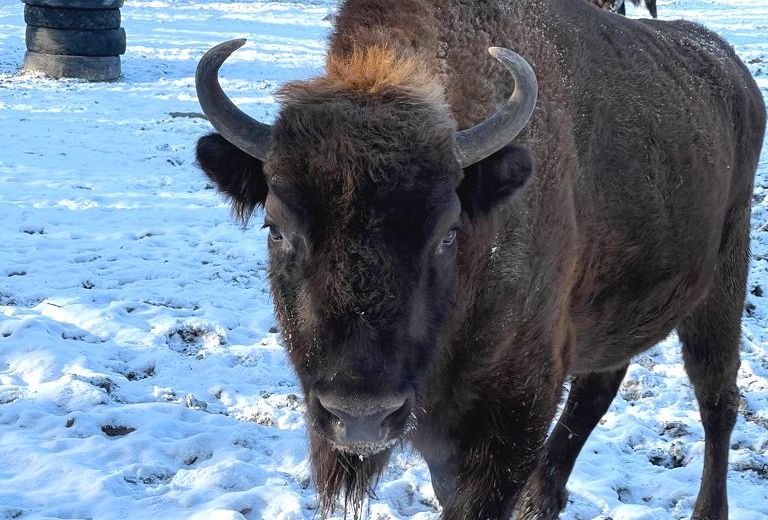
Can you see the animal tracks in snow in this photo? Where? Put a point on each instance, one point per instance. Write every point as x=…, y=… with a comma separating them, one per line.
x=141, y=370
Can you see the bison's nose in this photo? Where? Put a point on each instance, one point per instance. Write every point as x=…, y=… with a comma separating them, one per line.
x=365, y=421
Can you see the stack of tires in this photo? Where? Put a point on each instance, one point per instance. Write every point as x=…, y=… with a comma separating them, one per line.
x=74, y=38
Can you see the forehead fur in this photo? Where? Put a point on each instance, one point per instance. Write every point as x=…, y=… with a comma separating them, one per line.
x=373, y=129
x=378, y=68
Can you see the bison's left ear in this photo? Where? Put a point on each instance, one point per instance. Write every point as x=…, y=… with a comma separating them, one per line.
x=490, y=183
x=237, y=175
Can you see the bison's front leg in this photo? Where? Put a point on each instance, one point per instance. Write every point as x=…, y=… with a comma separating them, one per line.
x=498, y=447
x=588, y=400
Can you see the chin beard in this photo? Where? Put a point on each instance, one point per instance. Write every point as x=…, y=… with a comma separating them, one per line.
x=344, y=476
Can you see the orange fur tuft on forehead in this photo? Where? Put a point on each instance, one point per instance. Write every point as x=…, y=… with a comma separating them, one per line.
x=375, y=70
x=378, y=68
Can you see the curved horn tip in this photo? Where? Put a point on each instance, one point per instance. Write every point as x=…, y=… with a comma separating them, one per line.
x=236, y=43
x=497, y=52
x=475, y=144
x=217, y=55
x=502, y=53
x=229, y=46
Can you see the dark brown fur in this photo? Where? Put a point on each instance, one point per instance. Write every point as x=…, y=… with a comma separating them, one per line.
x=634, y=224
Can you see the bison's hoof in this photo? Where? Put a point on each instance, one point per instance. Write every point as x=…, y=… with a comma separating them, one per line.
x=545, y=505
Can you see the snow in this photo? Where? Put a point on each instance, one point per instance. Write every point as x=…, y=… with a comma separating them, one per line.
x=141, y=373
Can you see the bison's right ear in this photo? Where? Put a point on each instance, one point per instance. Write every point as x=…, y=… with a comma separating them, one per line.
x=237, y=175
x=491, y=183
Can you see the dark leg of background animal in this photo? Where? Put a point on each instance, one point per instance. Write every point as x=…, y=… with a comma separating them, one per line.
x=651, y=6
x=711, y=336
x=588, y=400
x=622, y=9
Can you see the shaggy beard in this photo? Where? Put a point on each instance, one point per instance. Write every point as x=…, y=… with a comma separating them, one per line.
x=344, y=477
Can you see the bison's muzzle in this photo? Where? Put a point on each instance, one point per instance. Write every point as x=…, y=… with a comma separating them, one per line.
x=361, y=425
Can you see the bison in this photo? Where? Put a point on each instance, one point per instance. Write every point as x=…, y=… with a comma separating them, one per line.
x=450, y=239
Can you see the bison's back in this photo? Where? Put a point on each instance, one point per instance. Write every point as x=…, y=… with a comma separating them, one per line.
x=668, y=126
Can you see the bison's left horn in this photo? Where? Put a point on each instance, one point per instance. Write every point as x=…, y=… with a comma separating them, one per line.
x=233, y=124
x=475, y=144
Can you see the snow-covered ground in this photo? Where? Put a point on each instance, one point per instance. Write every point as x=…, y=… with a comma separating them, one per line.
x=141, y=373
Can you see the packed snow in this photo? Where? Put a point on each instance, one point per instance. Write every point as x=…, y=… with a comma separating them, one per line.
x=141, y=368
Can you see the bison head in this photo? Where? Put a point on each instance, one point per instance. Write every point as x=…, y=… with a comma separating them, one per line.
x=365, y=185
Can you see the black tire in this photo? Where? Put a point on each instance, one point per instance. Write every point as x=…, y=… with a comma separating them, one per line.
x=110, y=42
x=77, y=4
x=82, y=19
x=59, y=66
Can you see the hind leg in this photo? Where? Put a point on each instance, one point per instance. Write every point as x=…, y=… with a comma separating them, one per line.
x=589, y=399
x=710, y=340
x=711, y=336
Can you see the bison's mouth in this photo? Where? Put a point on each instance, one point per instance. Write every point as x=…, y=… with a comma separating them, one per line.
x=363, y=450
x=367, y=449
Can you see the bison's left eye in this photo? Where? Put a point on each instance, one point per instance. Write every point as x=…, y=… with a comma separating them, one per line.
x=450, y=238
x=448, y=241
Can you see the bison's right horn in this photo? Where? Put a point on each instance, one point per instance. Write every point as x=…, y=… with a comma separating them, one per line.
x=475, y=144
x=233, y=124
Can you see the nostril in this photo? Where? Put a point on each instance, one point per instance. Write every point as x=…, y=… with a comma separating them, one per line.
x=403, y=408
x=331, y=417
x=326, y=409
x=396, y=418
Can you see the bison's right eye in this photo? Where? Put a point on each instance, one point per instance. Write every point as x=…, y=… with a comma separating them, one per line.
x=274, y=234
